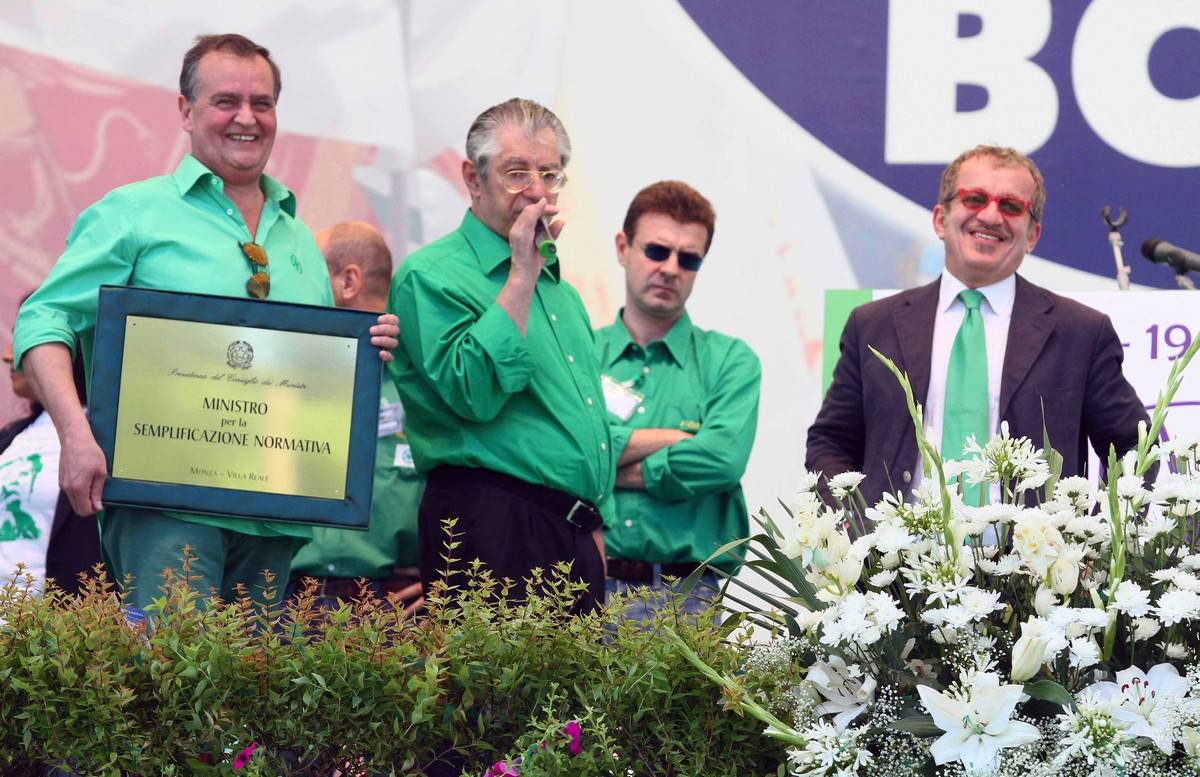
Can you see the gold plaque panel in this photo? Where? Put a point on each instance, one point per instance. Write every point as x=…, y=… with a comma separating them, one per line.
x=235, y=407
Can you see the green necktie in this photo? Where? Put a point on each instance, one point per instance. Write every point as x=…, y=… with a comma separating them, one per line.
x=966, y=407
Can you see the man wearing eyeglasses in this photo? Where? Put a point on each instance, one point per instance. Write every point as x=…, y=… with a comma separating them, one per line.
x=682, y=401
x=498, y=373
x=981, y=345
x=217, y=225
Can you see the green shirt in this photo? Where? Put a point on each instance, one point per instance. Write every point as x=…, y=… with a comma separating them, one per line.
x=391, y=540
x=701, y=382
x=477, y=392
x=176, y=232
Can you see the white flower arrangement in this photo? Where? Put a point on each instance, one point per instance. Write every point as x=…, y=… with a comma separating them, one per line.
x=1054, y=634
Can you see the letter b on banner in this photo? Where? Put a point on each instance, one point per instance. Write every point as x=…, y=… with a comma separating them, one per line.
x=927, y=60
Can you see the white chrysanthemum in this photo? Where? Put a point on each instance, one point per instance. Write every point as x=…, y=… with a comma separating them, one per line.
x=1131, y=599
x=1176, y=650
x=841, y=486
x=1075, y=491
x=980, y=603
x=1083, y=652
x=1145, y=628
x=1177, y=605
x=1129, y=487
x=860, y=619
x=808, y=482
x=1155, y=525
x=892, y=537
x=882, y=579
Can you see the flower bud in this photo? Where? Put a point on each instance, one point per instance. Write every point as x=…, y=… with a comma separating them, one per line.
x=1064, y=576
x=1028, y=655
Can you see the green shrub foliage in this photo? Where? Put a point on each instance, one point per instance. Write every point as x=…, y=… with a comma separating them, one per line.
x=287, y=690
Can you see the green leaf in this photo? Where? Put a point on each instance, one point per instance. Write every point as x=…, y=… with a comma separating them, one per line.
x=920, y=725
x=1048, y=690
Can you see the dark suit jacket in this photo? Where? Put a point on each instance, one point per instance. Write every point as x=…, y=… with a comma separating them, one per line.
x=1061, y=355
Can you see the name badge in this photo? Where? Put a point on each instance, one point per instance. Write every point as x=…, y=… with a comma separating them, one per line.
x=403, y=458
x=620, y=399
x=391, y=419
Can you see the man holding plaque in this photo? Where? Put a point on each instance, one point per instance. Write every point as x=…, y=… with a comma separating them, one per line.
x=683, y=403
x=498, y=371
x=217, y=225
x=360, y=269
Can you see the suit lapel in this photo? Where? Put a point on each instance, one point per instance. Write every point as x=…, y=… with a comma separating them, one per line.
x=1032, y=322
x=914, y=329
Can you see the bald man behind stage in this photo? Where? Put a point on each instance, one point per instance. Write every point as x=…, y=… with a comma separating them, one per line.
x=360, y=271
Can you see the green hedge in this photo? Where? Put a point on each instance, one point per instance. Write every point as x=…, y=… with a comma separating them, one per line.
x=364, y=689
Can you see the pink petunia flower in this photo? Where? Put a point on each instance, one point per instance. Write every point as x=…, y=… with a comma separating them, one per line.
x=573, y=731
x=503, y=769
x=243, y=758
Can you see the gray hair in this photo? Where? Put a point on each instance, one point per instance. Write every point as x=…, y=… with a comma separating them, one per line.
x=529, y=116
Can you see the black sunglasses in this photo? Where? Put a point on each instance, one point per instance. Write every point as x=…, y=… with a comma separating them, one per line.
x=660, y=253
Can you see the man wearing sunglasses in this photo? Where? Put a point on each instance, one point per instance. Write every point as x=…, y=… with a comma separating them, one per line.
x=981, y=346
x=682, y=401
x=216, y=225
x=498, y=372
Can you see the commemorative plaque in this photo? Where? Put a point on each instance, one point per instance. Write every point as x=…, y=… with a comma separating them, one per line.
x=236, y=407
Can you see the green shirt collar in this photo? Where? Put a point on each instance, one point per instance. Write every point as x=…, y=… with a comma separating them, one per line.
x=191, y=170
x=491, y=249
x=676, y=342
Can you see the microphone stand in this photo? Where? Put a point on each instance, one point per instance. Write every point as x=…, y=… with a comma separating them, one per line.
x=1114, y=239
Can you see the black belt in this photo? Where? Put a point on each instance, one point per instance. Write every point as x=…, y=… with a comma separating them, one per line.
x=643, y=571
x=580, y=513
x=348, y=588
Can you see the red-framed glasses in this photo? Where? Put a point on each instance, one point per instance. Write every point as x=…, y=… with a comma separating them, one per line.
x=1010, y=206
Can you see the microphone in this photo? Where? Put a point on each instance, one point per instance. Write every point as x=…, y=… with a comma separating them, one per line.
x=544, y=240
x=1179, y=259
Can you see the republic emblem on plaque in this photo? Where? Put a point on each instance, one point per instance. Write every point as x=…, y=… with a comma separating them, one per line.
x=239, y=355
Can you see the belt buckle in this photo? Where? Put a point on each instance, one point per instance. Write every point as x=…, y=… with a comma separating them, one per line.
x=571, y=513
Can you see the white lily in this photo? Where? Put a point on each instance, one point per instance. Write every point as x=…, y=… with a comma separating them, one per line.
x=847, y=696
x=977, y=727
x=1144, y=700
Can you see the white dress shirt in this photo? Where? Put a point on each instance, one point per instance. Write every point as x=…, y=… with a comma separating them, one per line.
x=996, y=309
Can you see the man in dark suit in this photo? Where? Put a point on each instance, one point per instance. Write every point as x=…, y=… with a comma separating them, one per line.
x=1047, y=359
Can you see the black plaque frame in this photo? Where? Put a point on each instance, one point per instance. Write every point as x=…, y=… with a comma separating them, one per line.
x=352, y=511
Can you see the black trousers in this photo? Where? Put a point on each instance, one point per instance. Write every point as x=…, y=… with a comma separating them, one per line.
x=511, y=526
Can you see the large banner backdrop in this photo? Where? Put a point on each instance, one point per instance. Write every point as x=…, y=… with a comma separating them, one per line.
x=817, y=129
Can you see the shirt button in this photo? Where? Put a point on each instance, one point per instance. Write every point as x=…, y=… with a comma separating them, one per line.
x=229, y=211
x=641, y=409
x=645, y=370
x=603, y=446
x=589, y=400
x=553, y=317
x=907, y=476
x=332, y=567
x=571, y=359
x=628, y=523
